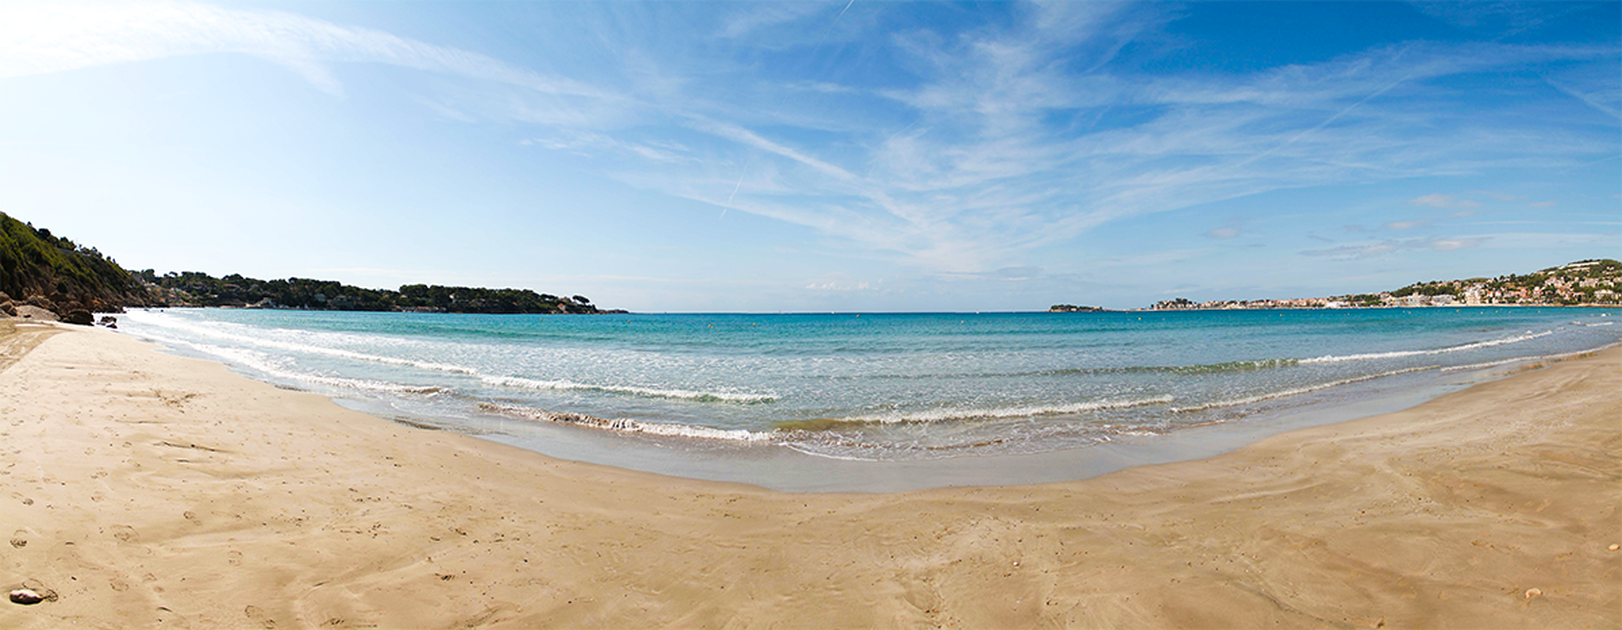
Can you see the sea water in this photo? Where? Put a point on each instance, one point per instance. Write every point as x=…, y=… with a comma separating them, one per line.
x=869, y=386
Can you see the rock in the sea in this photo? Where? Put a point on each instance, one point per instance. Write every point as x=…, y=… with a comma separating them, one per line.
x=108, y=321
x=80, y=317
x=26, y=597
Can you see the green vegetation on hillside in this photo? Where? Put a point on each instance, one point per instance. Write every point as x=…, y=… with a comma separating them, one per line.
x=58, y=274
x=194, y=288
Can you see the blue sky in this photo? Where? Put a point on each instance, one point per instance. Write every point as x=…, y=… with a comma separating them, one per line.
x=801, y=156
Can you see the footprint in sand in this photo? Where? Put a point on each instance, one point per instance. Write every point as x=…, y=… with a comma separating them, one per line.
x=234, y=558
x=126, y=533
x=19, y=539
x=258, y=614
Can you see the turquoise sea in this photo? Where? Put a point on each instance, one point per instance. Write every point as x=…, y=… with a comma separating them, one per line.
x=882, y=387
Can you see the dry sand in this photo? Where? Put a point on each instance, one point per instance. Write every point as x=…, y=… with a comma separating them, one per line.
x=148, y=490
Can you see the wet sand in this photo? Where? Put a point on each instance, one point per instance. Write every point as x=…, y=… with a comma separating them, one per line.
x=148, y=490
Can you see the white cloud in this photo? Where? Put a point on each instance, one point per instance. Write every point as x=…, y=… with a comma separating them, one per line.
x=1393, y=246
x=40, y=38
x=1541, y=204
x=1443, y=201
x=1406, y=225
x=1004, y=138
x=753, y=16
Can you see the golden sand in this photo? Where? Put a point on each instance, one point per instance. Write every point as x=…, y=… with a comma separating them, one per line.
x=147, y=490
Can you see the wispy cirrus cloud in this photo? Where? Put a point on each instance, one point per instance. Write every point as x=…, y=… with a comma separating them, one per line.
x=978, y=146
x=39, y=38
x=1393, y=246
x=1443, y=201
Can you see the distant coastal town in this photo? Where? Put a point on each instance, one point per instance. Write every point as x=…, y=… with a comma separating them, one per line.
x=1596, y=282
x=1582, y=283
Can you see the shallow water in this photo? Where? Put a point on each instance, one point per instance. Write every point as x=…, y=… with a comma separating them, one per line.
x=874, y=387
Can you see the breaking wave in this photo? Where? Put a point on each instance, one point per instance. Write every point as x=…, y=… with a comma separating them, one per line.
x=1529, y=335
x=626, y=425
x=683, y=394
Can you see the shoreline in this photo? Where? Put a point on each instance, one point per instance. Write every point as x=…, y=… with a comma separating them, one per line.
x=151, y=489
x=778, y=462
x=779, y=467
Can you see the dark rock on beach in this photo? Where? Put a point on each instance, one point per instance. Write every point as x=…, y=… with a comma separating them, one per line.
x=80, y=317
x=29, y=597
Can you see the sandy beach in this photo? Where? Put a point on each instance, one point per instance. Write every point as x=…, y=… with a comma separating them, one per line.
x=147, y=490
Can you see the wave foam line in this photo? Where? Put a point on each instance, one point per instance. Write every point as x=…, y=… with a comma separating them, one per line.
x=295, y=347
x=513, y=381
x=1546, y=357
x=1200, y=368
x=457, y=369
x=246, y=358
x=1298, y=390
x=948, y=414
x=1412, y=353
x=624, y=425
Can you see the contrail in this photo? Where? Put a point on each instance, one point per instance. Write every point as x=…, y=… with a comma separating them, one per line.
x=735, y=187
x=1327, y=121
x=831, y=25
x=1583, y=97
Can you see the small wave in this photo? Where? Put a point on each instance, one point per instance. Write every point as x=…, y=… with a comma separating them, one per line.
x=251, y=360
x=513, y=381
x=948, y=414
x=1545, y=357
x=1199, y=368
x=1297, y=390
x=305, y=348
x=626, y=425
x=1206, y=368
x=1413, y=353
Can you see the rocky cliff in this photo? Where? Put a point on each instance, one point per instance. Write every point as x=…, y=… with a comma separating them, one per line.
x=46, y=271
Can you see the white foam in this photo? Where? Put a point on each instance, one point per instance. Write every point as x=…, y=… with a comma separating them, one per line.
x=1546, y=357
x=1297, y=390
x=258, y=362
x=514, y=381
x=1413, y=353
x=178, y=324
x=626, y=425
x=957, y=413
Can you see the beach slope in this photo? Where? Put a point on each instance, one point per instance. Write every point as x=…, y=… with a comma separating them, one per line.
x=147, y=490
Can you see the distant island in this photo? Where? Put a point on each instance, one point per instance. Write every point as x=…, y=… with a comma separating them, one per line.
x=1595, y=282
x=43, y=275
x=1071, y=308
